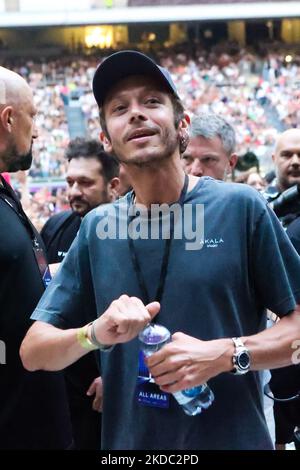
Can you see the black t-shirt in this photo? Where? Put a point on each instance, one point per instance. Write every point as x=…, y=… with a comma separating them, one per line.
x=33, y=407
x=286, y=381
x=293, y=232
x=58, y=234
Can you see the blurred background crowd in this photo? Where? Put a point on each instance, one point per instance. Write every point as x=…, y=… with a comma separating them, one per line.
x=245, y=71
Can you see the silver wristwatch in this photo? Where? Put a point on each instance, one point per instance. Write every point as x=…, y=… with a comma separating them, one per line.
x=241, y=358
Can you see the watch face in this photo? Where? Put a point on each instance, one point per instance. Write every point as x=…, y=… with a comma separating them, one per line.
x=243, y=360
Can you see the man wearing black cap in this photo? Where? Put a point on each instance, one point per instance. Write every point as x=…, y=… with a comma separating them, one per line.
x=211, y=259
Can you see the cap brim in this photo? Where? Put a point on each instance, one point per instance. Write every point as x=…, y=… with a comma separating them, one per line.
x=123, y=64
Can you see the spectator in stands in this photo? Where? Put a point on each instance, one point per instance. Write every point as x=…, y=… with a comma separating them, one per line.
x=33, y=407
x=211, y=148
x=92, y=178
x=144, y=124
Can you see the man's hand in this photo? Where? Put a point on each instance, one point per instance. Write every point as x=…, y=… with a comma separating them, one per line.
x=124, y=319
x=188, y=362
x=96, y=388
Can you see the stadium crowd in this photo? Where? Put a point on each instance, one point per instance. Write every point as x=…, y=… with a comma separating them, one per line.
x=233, y=82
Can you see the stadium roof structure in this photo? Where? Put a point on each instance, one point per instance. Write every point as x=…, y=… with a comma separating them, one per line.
x=148, y=14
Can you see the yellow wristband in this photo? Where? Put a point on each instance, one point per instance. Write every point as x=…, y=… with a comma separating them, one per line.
x=84, y=340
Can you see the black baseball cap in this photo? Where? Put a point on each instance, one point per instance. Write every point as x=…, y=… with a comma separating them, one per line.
x=123, y=64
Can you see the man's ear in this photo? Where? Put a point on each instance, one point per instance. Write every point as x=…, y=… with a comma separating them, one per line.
x=187, y=119
x=6, y=118
x=113, y=188
x=184, y=137
x=185, y=122
x=105, y=142
x=233, y=160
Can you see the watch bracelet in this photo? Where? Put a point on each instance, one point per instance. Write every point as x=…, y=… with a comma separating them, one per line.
x=95, y=342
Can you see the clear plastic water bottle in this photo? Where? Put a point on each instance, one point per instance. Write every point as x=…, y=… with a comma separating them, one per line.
x=192, y=400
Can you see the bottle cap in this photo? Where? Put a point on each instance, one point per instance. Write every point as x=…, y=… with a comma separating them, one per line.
x=154, y=334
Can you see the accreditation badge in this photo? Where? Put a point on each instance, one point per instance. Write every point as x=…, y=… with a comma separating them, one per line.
x=147, y=392
x=42, y=264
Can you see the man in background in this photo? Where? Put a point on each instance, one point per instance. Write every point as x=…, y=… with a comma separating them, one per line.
x=286, y=381
x=92, y=178
x=33, y=407
x=211, y=148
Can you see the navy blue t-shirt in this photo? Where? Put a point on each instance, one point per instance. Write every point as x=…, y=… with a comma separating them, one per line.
x=246, y=264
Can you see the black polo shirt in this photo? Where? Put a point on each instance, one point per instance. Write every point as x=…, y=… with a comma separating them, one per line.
x=293, y=232
x=33, y=407
x=58, y=234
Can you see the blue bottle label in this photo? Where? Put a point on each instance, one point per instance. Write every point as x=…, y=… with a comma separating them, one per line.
x=147, y=392
x=192, y=392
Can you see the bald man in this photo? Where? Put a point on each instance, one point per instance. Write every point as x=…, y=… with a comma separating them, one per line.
x=286, y=382
x=33, y=406
x=286, y=159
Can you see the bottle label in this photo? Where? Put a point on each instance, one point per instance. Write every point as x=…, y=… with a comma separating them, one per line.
x=185, y=396
x=192, y=392
x=147, y=392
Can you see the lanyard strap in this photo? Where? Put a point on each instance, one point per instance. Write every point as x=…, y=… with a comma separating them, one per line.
x=165, y=260
x=8, y=195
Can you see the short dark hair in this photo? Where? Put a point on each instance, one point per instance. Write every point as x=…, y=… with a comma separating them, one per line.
x=91, y=148
x=178, y=110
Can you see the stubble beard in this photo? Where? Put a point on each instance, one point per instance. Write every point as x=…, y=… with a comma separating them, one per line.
x=15, y=161
x=154, y=158
x=285, y=182
x=87, y=206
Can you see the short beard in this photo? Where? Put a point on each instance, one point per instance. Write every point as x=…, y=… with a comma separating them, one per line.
x=172, y=143
x=284, y=183
x=149, y=163
x=16, y=161
x=104, y=199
